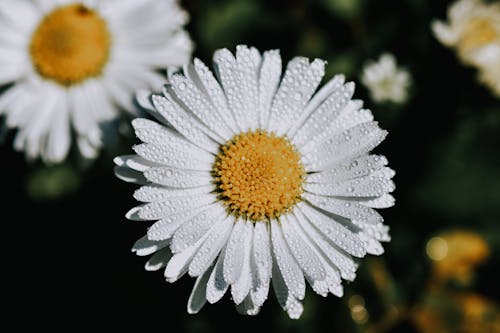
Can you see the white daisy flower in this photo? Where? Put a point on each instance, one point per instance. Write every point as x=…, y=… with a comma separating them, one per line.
x=74, y=64
x=253, y=178
x=473, y=29
x=386, y=82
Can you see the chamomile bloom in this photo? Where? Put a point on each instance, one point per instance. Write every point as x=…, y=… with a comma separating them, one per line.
x=254, y=179
x=73, y=65
x=473, y=30
x=386, y=82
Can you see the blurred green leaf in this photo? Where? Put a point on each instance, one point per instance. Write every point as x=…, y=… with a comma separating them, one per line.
x=52, y=182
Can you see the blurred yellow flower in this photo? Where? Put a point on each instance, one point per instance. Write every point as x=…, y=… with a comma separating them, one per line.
x=455, y=254
x=451, y=313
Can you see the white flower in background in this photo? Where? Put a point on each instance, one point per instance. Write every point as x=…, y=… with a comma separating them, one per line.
x=386, y=82
x=254, y=178
x=74, y=64
x=473, y=30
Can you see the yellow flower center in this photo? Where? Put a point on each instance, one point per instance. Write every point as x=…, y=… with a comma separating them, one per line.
x=259, y=176
x=71, y=44
x=478, y=33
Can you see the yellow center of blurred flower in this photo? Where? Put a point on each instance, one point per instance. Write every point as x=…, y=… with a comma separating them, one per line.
x=259, y=176
x=70, y=45
x=478, y=33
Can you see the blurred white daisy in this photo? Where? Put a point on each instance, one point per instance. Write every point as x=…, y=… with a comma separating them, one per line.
x=386, y=82
x=254, y=178
x=473, y=29
x=74, y=64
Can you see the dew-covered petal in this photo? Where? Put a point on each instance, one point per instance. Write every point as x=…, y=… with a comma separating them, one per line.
x=197, y=299
x=334, y=231
x=319, y=120
x=165, y=228
x=215, y=240
x=184, y=123
x=195, y=100
x=233, y=260
x=178, y=178
x=247, y=307
x=261, y=251
x=286, y=264
x=193, y=229
x=176, y=157
x=179, y=264
x=353, y=142
x=285, y=298
x=356, y=168
x=158, y=260
x=304, y=255
x=374, y=185
x=297, y=86
x=214, y=93
x=347, y=209
x=143, y=246
x=217, y=285
x=158, y=210
x=240, y=289
x=156, y=193
x=384, y=201
x=269, y=79
x=335, y=256
x=226, y=69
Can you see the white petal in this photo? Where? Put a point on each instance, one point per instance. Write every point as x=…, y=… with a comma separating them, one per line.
x=215, y=93
x=285, y=298
x=318, y=98
x=177, y=157
x=195, y=100
x=184, y=123
x=286, y=264
x=372, y=245
x=334, y=231
x=353, y=142
x=320, y=118
x=376, y=184
x=344, y=208
x=194, y=229
x=155, y=193
x=262, y=251
x=226, y=69
x=151, y=132
x=133, y=162
x=269, y=79
x=378, y=231
x=247, y=307
x=305, y=256
x=384, y=201
x=241, y=287
x=233, y=259
x=337, y=258
x=158, y=210
x=143, y=246
x=198, y=296
x=178, y=178
x=178, y=265
x=165, y=228
x=217, y=285
x=359, y=167
x=129, y=175
x=158, y=260
x=297, y=86
x=216, y=239
x=248, y=61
